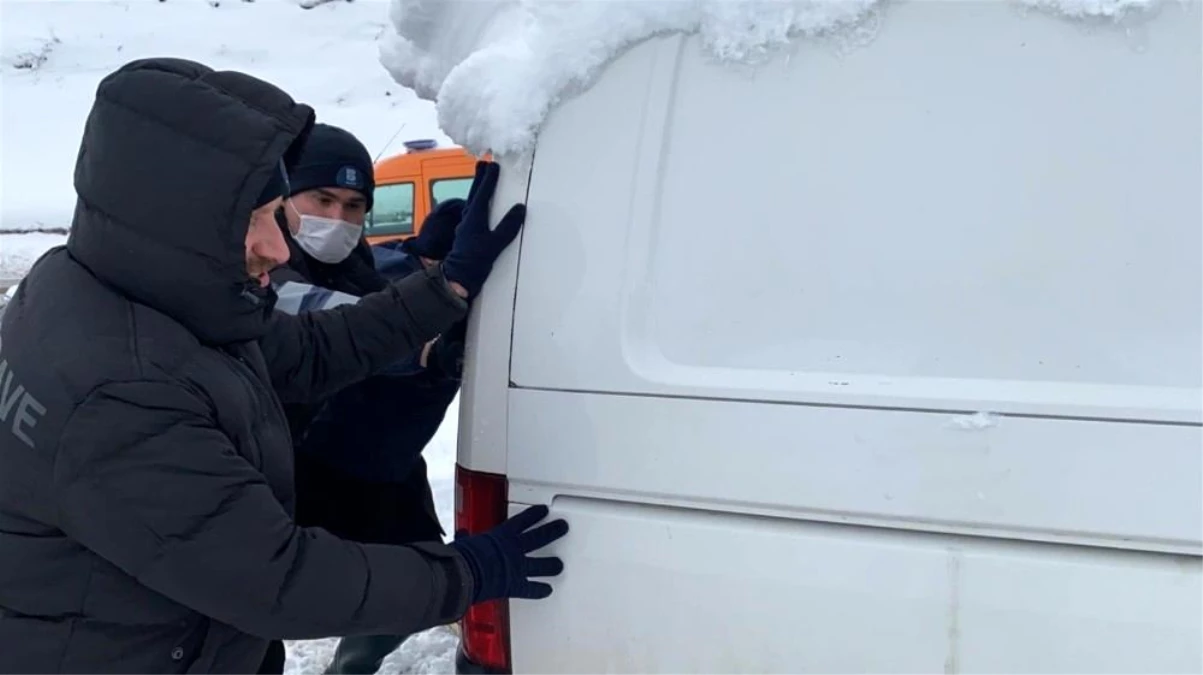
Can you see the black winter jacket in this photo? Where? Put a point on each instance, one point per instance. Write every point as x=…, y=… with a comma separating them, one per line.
x=146, y=469
x=375, y=430
x=356, y=275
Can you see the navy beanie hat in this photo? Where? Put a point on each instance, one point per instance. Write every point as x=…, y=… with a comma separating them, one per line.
x=333, y=157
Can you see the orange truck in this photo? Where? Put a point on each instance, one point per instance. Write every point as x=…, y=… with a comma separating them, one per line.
x=411, y=184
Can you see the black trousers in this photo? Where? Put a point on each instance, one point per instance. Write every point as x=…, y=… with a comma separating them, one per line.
x=370, y=513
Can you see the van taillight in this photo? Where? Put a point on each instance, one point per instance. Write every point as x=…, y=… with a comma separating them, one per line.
x=480, y=504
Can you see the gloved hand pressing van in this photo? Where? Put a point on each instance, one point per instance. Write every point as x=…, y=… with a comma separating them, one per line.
x=433, y=241
x=476, y=246
x=499, y=561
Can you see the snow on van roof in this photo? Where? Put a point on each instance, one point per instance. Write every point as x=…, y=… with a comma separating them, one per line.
x=496, y=67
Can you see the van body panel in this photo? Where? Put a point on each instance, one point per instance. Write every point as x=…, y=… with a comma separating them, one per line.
x=1116, y=485
x=651, y=589
x=860, y=360
x=904, y=235
x=484, y=388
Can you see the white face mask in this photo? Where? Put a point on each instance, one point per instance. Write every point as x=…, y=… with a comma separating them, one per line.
x=327, y=239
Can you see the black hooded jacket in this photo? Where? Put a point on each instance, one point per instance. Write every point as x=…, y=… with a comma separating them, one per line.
x=146, y=469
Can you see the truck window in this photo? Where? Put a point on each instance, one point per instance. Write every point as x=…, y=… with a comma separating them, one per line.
x=393, y=210
x=449, y=188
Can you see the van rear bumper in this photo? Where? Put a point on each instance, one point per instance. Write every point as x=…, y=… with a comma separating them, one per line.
x=464, y=666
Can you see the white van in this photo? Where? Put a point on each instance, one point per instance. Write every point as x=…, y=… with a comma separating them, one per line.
x=886, y=360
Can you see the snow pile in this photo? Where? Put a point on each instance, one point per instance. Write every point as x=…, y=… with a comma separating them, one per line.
x=497, y=68
x=430, y=652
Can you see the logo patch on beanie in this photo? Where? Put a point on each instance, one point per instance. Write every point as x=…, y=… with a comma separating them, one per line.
x=349, y=177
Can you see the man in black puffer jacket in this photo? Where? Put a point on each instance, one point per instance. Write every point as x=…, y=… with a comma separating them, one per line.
x=146, y=470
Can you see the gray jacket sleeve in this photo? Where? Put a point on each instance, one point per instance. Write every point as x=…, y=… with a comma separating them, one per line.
x=313, y=354
x=145, y=480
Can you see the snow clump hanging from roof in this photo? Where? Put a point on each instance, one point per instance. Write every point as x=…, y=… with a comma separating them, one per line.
x=495, y=68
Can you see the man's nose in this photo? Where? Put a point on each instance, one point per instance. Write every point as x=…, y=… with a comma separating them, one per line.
x=272, y=246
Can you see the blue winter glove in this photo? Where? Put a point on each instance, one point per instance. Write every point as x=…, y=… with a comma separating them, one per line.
x=499, y=561
x=476, y=247
x=437, y=233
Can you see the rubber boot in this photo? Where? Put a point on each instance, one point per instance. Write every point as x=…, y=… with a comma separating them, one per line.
x=363, y=654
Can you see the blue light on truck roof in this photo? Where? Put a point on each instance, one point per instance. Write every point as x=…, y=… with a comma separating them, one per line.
x=420, y=144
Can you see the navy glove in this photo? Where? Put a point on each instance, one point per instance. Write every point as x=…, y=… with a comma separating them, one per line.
x=498, y=558
x=435, y=237
x=476, y=247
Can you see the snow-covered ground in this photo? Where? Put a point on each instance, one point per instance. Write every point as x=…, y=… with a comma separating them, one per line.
x=19, y=251
x=54, y=52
